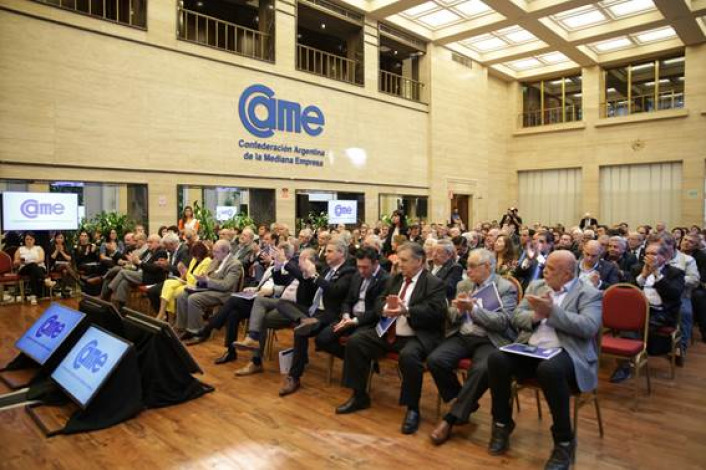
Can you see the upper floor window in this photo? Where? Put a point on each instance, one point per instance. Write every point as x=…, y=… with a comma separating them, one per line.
x=242, y=28
x=330, y=41
x=400, y=58
x=551, y=101
x=644, y=87
x=127, y=12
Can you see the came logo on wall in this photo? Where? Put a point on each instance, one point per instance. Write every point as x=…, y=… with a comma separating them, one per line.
x=279, y=114
x=263, y=115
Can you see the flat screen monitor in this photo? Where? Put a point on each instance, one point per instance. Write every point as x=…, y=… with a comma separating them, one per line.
x=342, y=212
x=102, y=313
x=151, y=324
x=89, y=364
x=39, y=211
x=226, y=212
x=45, y=336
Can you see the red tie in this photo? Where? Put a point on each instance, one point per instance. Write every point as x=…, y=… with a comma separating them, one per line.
x=392, y=332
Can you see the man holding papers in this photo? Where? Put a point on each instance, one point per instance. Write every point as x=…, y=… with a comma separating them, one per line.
x=480, y=318
x=560, y=311
x=414, y=306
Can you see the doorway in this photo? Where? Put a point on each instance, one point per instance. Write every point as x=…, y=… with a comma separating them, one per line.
x=462, y=203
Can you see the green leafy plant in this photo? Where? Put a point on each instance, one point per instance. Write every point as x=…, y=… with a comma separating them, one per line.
x=107, y=221
x=239, y=221
x=207, y=222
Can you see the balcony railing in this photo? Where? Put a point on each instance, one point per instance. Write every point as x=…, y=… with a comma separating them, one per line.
x=398, y=85
x=209, y=31
x=643, y=104
x=570, y=113
x=327, y=65
x=126, y=12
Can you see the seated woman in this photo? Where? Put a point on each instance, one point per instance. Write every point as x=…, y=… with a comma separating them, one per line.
x=505, y=254
x=112, y=238
x=29, y=258
x=87, y=264
x=394, y=260
x=60, y=262
x=110, y=254
x=173, y=287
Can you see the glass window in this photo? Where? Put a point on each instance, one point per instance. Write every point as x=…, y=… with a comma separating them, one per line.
x=312, y=203
x=225, y=202
x=127, y=12
x=644, y=87
x=414, y=207
x=551, y=101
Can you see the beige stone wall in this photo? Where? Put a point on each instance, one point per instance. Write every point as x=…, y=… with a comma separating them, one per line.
x=673, y=135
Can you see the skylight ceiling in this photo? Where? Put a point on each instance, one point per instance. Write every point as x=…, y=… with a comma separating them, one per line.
x=538, y=37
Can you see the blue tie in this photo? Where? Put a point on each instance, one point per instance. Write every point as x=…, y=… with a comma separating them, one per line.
x=319, y=294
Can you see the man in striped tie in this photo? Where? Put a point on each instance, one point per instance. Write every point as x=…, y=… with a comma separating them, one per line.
x=412, y=314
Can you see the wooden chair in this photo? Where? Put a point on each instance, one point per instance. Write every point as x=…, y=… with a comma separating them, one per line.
x=626, y=309
x=674, y=334
x=518, y=285
x=579, y=398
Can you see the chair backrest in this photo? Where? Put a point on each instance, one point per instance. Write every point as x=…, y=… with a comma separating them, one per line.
x=625, y=308
x=5, y=263
x=241, y=280
x=518, y=285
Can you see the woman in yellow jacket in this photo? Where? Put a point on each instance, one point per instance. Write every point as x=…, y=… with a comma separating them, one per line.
x=173, y=287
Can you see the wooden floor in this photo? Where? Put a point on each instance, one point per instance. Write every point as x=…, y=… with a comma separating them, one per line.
x=245, y=424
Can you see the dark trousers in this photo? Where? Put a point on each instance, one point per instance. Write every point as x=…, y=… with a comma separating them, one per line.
x=365, y=346
x=698, y=300
x=442, y=363
x=328, y=341
x=36, y=275
x=300, y=355
x=556, y=376
x=229, y=315
x=153, y=295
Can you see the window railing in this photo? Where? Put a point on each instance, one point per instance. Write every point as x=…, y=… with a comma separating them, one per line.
x=209, y=31
x=126, y=12
x=643, y=104
x=569, y=113
x=398, y=85
x=328, y=65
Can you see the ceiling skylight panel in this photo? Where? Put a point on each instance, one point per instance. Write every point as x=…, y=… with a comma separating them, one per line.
x=613, y=44
x=520, y=36
x=420, y=9
x=473, y=8
x=656, y=35
x=524, y=64
x=487, y=45
x=630, y=7
x=583, y=20
x=439, y=18
x=553, y=58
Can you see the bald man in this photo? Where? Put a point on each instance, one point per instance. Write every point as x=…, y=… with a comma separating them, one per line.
x=559, y=311
x=594, y=269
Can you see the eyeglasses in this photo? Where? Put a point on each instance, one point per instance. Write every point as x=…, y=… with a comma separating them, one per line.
x=476, y=265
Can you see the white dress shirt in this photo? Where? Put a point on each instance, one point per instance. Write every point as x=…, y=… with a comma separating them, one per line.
x=402, y=327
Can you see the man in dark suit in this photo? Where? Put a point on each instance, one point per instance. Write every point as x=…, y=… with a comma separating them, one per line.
x=663, y=286
x=358, y=309
x=591, y=268
x=151, y=269
x=331, y=288
x=531, y=262
x=415, y=303
x=587, y=221
x=445, y=267
x=476, y=332
x=178, y=255
x=690, y=245
x=623, y=260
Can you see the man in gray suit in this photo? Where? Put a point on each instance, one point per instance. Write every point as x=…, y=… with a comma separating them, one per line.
x=476, y=332
x=212, y=289
x=560, y=311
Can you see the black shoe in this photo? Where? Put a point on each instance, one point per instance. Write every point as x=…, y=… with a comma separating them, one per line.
x=306, y=326
x=411, y=422
x=228, y=356
x=354, y=403
x=562, y=456
x=186, y=335
x=679, y=359
x=500, y=438
x=621, y=374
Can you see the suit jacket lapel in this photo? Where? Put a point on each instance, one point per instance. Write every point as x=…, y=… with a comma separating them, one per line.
x=572, y=294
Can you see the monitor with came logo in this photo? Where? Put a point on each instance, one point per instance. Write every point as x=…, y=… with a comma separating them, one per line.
x=39, y=211
x=342, y=212
x=89, y=364
x=45, y=336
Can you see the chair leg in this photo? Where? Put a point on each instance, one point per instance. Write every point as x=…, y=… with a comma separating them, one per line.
x=576, y=416
x=647, y=374
x=329, y=370
x=370, y=377
x=539, y=404
x=598, y=413
x=438, y=405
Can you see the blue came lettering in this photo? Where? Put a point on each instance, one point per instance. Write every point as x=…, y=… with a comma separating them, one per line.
x=52, y=327
x=91, y=357
x=342, y=210
x=281, y=115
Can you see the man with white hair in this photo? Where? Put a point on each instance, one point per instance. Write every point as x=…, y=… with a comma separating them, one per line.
x=244, y=250
x=623, y=260
x=445, y=267
x=178, y=258
x=476, y=332
x=305, y=239
x=212, y=290
x=151, y=269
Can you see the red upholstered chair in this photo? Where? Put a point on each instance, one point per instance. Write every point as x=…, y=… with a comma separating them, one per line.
x=673, y=333
x=626, y=309
x=7, y=275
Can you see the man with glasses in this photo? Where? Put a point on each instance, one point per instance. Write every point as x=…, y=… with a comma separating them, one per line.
x=476, y=332
x=593, y=269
